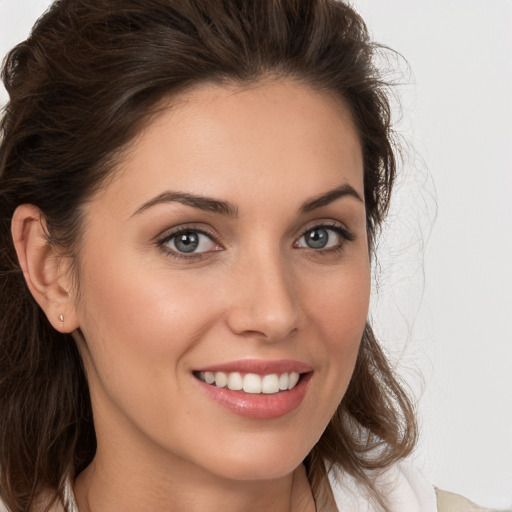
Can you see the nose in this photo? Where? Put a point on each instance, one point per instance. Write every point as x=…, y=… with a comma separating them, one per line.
x=264, y=304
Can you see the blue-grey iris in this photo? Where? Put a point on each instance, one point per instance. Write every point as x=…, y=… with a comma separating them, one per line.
x=187, y=242
x=317, y=238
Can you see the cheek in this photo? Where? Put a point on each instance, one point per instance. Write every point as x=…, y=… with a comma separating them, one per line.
x=339, y=310
x=340, y=305
x=139, y=325
x=133, y=307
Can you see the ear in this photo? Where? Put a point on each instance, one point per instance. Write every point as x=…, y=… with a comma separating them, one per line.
x=45, y=271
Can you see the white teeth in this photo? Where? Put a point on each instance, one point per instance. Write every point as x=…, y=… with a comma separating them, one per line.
x=251, y=382
x=283, y=381
x=221, y=379
x=235, y=382
x=293, y=379
x=270, y=384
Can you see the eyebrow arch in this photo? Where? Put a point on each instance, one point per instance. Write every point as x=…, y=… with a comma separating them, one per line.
x=329, y=197
x=202, y=202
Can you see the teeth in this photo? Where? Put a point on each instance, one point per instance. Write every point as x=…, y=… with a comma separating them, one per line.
x=270, y=384
x=283, y=381
x=235, y=382
x=251, y=382
x=221, y=379
x=293, y=379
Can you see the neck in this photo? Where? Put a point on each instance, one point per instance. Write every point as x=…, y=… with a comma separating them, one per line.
x=104, y=488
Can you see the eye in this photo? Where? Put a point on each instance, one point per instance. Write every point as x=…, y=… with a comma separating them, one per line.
x=324, y=237
x=189, y=241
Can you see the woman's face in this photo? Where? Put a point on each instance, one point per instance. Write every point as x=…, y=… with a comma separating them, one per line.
x=230, y=246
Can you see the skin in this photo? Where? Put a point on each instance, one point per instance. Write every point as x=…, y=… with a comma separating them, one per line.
x=257, y=291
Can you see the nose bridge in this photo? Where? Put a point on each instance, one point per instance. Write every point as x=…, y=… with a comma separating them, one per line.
x=265, y=303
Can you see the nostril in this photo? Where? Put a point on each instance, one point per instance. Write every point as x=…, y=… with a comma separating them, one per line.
x=271, y=327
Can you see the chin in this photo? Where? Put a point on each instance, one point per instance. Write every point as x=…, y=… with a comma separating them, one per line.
x=255, y=471
x=259, y=460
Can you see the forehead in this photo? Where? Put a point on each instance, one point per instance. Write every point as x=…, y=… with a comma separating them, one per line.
x=218, y=140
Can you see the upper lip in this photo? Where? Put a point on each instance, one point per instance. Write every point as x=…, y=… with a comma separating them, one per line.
x=259, y=366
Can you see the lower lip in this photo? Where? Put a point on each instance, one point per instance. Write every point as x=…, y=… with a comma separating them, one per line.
x=259, y=405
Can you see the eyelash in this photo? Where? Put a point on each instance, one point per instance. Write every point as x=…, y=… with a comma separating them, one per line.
x=161, y=243
x=341, y=231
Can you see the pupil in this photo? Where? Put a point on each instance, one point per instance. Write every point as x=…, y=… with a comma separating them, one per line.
x=187, y=242
x=317, y=238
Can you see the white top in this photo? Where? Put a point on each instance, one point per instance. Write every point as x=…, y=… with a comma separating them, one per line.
x=403, y=486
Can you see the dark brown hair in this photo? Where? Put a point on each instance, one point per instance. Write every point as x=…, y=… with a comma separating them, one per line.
x=81, y=87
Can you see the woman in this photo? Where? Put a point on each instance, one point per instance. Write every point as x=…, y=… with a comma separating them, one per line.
x=190, y=196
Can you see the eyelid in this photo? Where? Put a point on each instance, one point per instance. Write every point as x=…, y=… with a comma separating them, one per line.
x=337, y=226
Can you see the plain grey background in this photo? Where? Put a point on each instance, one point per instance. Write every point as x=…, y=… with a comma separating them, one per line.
x=443, y=302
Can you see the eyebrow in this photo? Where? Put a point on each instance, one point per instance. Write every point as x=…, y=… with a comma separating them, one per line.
x=210, y=204
x=329, y=197
x=207, y=204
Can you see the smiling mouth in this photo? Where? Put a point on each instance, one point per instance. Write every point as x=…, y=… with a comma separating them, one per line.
x=251, y=382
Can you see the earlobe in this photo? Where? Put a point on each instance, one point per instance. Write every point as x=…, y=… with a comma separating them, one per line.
x=44, y=270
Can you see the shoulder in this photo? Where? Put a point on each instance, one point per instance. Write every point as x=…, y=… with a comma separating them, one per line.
x=404, y=488
x=450, y=502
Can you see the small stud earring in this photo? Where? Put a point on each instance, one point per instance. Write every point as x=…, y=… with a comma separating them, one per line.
x=61, y=320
